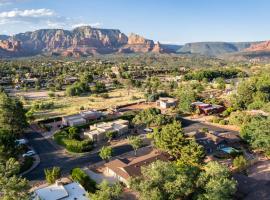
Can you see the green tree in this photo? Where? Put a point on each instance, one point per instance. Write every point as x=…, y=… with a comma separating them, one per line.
x=216, y=183
x=106, y=153
x=11, y=186
x=12, y=114
x=73, y=133
x=80, y=176
x=86, y=78
x=7, y=145
x=186, y=95
x=136, y=142
x=240, y=163
x=111, y=134
x=107, y=192
x=165, y=180
x=221, y=83
x=52, y=174
x=257, y=133
x=172, y=140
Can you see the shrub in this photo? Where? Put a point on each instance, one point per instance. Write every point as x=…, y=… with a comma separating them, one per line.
x=51, y=94
x=78, y=146
x=240, y=163
x=52, y=174
x=104, y=95
x=73, y=133
x=72, y=145
x=215, y=120
x=222, y=122
x=80, y=176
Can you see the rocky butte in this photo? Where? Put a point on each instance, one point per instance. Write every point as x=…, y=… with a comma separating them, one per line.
x=81, y=41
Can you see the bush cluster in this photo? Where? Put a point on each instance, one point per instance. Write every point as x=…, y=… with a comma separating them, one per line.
x=73, y=145
x=80, y=176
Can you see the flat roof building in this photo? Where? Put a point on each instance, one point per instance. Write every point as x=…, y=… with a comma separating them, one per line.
x=58, y=191
x=81, y=118
x=166, y=102
x=98, y=131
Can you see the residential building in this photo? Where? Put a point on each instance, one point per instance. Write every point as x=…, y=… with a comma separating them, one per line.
x=208, y=109
x=97, y=132
x=166, y=102
x=81, y=118
x=61, y=191
x=123, y=170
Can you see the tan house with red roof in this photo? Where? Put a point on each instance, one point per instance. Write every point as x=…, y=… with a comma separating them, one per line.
x=123, y=170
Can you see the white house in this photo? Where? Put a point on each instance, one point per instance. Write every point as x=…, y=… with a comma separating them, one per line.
x=166, y=102
x=59, y=191
x=81, y=118
x=98, y=131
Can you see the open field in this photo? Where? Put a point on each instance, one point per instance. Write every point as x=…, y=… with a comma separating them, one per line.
x=70, y=105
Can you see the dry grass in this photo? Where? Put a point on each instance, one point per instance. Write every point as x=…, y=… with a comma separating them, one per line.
x=70, y=105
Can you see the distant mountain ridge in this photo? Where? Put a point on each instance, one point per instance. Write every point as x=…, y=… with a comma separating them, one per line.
x=88, y=41
x=81, y=41
x=215, y=48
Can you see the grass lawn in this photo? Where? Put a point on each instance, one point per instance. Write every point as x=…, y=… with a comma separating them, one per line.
x=71, y=105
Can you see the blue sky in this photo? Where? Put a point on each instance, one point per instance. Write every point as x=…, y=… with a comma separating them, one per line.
x=169, y=21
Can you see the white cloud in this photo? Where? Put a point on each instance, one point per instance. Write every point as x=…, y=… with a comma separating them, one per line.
x=16, y=20
x=35, y=13
x=97, y=24
x=8, y=2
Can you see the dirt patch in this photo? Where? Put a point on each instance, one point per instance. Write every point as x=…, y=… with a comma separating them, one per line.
x=260, y=170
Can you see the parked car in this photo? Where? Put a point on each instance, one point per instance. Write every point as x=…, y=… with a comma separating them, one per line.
x=148, y=130
x=21, y=141
x=29, y=153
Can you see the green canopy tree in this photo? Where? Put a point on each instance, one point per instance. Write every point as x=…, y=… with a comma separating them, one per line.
x=165, y=180
x=186, y=95
x=107, y=192
x=52, y=174
x=11, y=186
x=7, y=144
x=171, y=139
x=257, y=133
x=12, y=114
x=216, y=183
x=136, y=142
x=106, y=153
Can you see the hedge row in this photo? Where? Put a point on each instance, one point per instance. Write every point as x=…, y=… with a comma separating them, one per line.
x=72, y=145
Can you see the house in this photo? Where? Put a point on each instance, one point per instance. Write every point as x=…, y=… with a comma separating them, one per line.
x=82, y=118
x=211, y=141
x=73, y=120
x=30, y=82
x=166, y=102
x=5, y=81
x=123, y=170
x=61, y=191
x=70, y=80
x=208, y=109
x=97, y=132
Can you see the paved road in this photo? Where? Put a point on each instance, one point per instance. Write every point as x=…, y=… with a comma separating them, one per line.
x=54, y=155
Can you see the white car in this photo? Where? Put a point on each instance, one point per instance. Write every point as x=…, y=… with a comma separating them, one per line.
x=29, y=153
x=21, y=141
x=148, y=130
